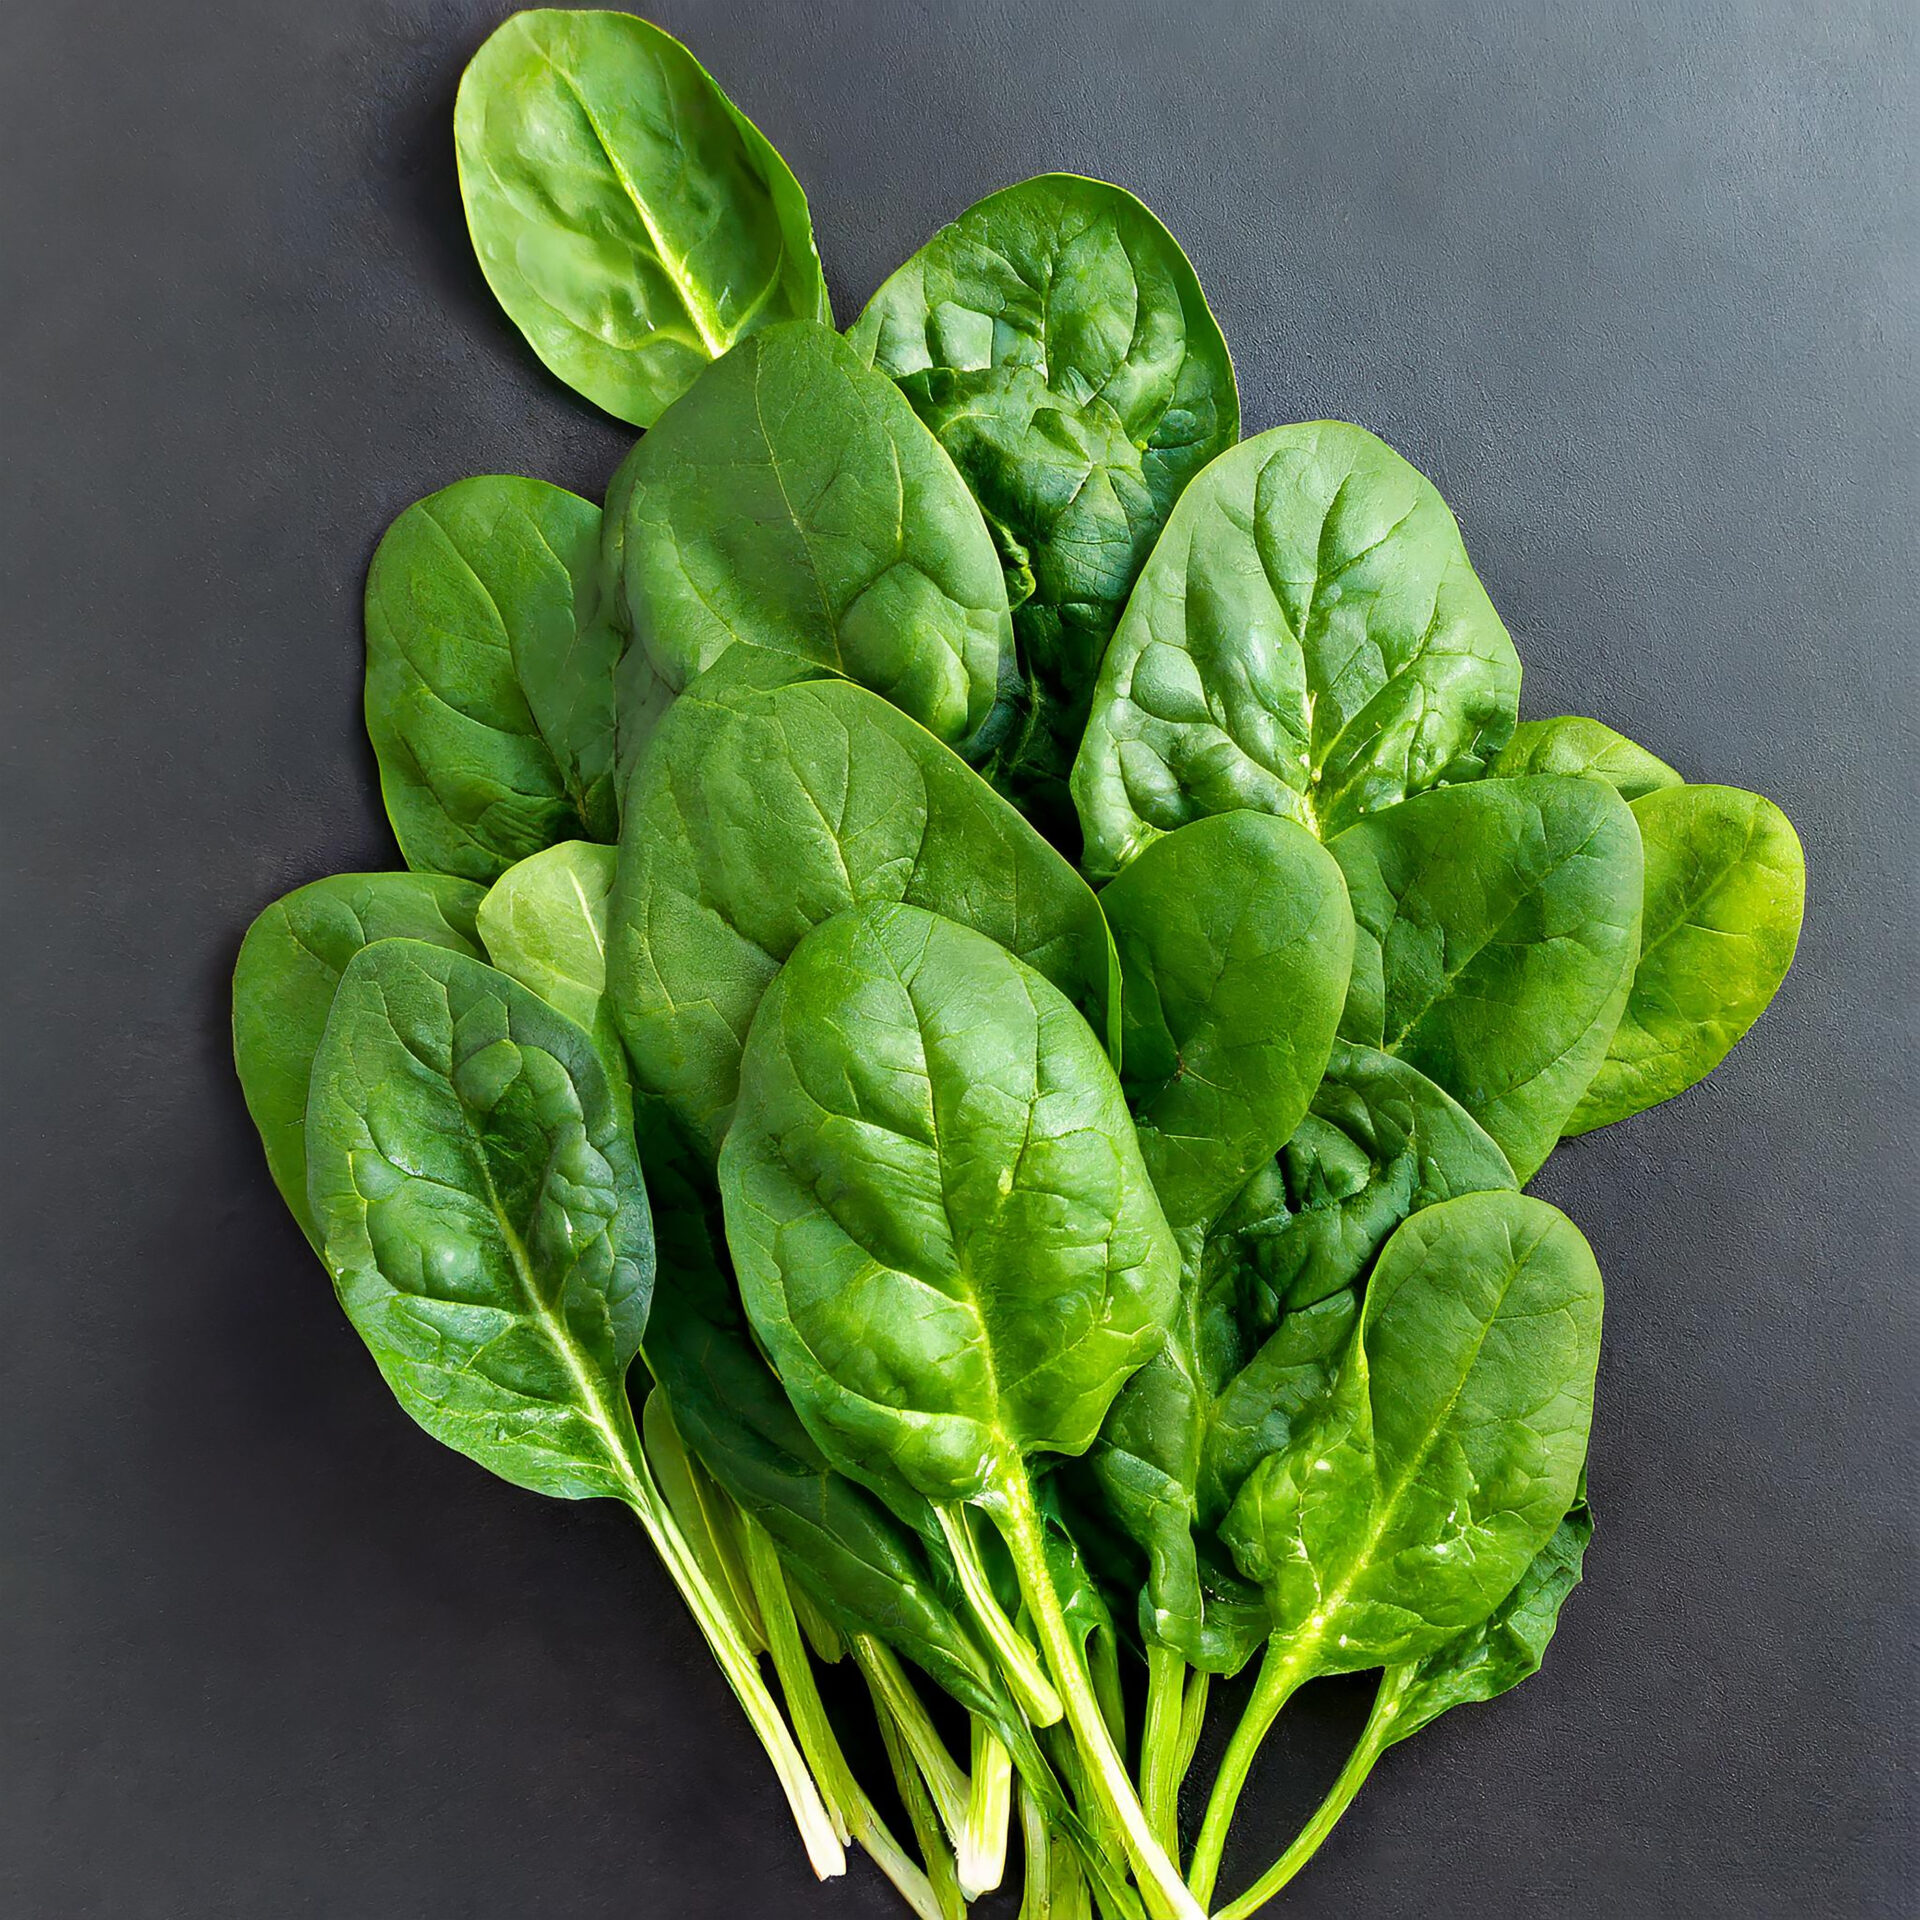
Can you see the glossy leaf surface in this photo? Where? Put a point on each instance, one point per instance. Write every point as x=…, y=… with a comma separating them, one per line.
x=1056, y=341
x=630, y=219
x=283, y=986
x=545, y=923
x=483, y=1215
x=1726, y=886
x=1497, y=926
x=760, y=812
x=792, y=502
x=1570, y=744
x=945, y=1235
x=1450, y=1447
x=1307, y=639
x=489, y=694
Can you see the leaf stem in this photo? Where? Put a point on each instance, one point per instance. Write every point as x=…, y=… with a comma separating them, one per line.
x=649, y=1507
x=1193, y=1720
x=853, y=1813
x=1020, y=1522
x=989, y=1814
x=1280, y=1675
x=942, y=1869
x=1025, y=1673
x=888, y=1682
x=1375, y=1737
x=1160, y=1745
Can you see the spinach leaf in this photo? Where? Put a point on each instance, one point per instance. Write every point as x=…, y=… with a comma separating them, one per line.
x=944, y=1231
x=283, y=985
x=1570, y=744
x=1497, y=929
x=1307, y=639
x=1056, y=341
x=1726, y=886
x=630, y=219
x=791, y=501
x=1409, y=1505
x=490, y=669
x=1235, y=943
x=482, y=1212
x=545, y=923
x=759, y=812
x=1478, y=1664
x=1380, y=1142
x=640, y=696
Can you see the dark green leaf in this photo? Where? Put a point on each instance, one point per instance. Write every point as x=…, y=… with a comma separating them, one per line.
x=283, y=984
x=482, y=1213
x=1306, y=640
x=792, y=502
x=945, y=1235
x=1381, y=1142
x=631, y=220
x=1497, y=928
x=1057, y=343
x=758, y=813
x=490, y=676
x=1726, y=886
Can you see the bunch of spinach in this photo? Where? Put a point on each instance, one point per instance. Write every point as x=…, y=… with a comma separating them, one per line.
x=743, y=1107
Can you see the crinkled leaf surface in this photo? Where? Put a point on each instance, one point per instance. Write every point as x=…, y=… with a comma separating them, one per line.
x=482, y=1212
x=489, y=694
x=944, y=1232
x=793, y=502
x=761, y=811
x=1235, y=943
x=1380, y=1142
x=283, y=985
x=1497, y=925
x=631, y=220
x=1450, y=1449
x=1056, y=341
x=1307, y=639
x=1726, y=886
x=1570, y=744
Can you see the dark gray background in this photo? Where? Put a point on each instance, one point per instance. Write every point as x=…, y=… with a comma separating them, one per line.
x=1635, y=284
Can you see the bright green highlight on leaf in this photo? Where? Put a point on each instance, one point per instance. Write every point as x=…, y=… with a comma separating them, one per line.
x=632, y=221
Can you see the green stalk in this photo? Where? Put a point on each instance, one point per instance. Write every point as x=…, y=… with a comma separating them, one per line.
x=989, y=1813
x=1280, y=1674
x=1160, y=1745
x=1193, y=1720
x=1021, y=1524
x=822, y=1635
x=1032, y=1690
x=852, y=1812
x=817, y=1828
x=942, y=1870
x=1374, y=1739
x=900, y=1700
x=1036, y=1899
x=673, y=1469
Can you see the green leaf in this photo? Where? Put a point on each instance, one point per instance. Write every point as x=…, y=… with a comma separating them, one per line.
x=761, y=811
x=1506, y=1647
x=1449, y=1449
x=283, y=985
x=945, y=1234
x=630, y=219
x=489, y=694
x=1570, y=744
x=1726, y=886
x=1306, y=640
x=545, y=923
x=640, y=696
x=1056, y=341
x=1235, y=945
x=792, y=502
x=482, y=1212
x=1381, y=1142
x=1497, y=929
